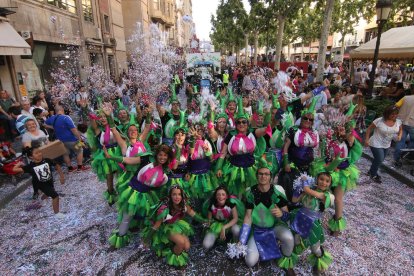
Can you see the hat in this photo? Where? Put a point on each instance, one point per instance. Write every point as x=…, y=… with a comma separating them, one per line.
x=263, y=164
x=181, y=124
x=240, y=110
x=120, y=105
x=173, y=98
x=222, y=113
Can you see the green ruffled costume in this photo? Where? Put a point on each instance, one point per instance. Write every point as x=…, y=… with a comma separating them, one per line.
x=316, y=233
x=159, y=240
x=216, y=225
x=238, y=179
x=345, y=178
x=202, y=185
x=262, y=217
x=103, y=166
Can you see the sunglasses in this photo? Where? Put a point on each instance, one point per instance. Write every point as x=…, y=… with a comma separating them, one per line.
x=307, y=119
x=242, y=122
x=263, y=174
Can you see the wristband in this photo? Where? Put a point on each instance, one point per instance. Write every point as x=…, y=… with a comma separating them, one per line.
x=178, y=153
x=93, y=116
x=244, y=233
x=285, y=159
x=199, y=218
x=192, y=142
x=148, y=119
x=318, y=90
x=118, y=159
x=110, y=121
x=285, y=216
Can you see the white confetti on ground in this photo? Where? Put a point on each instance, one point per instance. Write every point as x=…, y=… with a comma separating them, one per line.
x=379, y=239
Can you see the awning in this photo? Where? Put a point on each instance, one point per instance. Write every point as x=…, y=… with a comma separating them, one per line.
x=11, y=43
x=396, y=43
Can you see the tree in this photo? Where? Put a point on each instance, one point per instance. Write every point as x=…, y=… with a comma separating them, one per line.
x=307, y=27
x=283, y=9
x=346, y=15
x=227, y=25
x=402, y=13
x=323, y=41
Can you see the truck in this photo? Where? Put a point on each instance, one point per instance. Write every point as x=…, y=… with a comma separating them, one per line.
x=202, y=68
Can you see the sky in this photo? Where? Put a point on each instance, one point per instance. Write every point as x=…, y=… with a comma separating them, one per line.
x=202, y=11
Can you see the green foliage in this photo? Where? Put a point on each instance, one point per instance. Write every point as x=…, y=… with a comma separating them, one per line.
x=347, y=14
x=402, y=14
x=229, y=25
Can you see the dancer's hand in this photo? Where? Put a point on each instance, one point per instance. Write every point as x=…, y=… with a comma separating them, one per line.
x=276, y=212
x=219, y=173
x=62, y=179
x=187, y=177
x=223, y=234
x=105, y=150
x=287, y=168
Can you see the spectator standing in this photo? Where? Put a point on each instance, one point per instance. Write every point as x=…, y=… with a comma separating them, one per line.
x=406, y=115
x=385, y=128
x=66, y=132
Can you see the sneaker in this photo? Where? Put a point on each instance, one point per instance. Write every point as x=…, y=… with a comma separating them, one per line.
x=60, y=215
x=376, y=179
x=83, y=168
x=71, y=169
x=35, y=196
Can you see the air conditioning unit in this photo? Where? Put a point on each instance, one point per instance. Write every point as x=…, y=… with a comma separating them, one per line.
x=26, y=35
x=98, y=33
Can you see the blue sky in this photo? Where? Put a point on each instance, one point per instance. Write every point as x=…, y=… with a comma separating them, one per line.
x=202, y=10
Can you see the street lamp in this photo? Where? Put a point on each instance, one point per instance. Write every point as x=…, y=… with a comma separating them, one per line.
x=383, y=9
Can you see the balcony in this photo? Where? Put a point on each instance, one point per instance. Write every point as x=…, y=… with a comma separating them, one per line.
x=156, y=14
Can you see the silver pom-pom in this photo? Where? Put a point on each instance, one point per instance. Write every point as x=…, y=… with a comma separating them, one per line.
x=236, y=250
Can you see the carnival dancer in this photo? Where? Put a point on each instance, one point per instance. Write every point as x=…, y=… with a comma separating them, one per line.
x=142, y=193
x=103, y=167
x=169, y=119
x=135, y=154
x=167, y=233
x=298, y=150
x=224, y=213
x=203, y=180
x=231, y=108
x=239, y=171
x=179, y=166
x=340, y=143
x=217, y=129
x=265, y=223
x=306, y=221
x=123, y=118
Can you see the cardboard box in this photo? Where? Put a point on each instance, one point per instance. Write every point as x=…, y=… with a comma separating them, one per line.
x=53, y=149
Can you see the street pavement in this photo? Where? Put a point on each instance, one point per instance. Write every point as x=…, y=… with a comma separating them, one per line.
x=379, y=239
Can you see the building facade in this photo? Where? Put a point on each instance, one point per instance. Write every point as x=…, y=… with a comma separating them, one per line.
x=76, y=33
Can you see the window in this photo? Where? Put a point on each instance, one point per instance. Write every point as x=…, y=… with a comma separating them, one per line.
x=156, y=4
x=68, y=5
x=107, y=24
x=87, y=10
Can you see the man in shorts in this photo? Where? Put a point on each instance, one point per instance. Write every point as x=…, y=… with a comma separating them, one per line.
x=66, y=132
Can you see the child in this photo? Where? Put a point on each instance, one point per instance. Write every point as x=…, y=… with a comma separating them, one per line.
x=224, y=212
x=168, y=232
x=41, y=171
x=306, y=222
